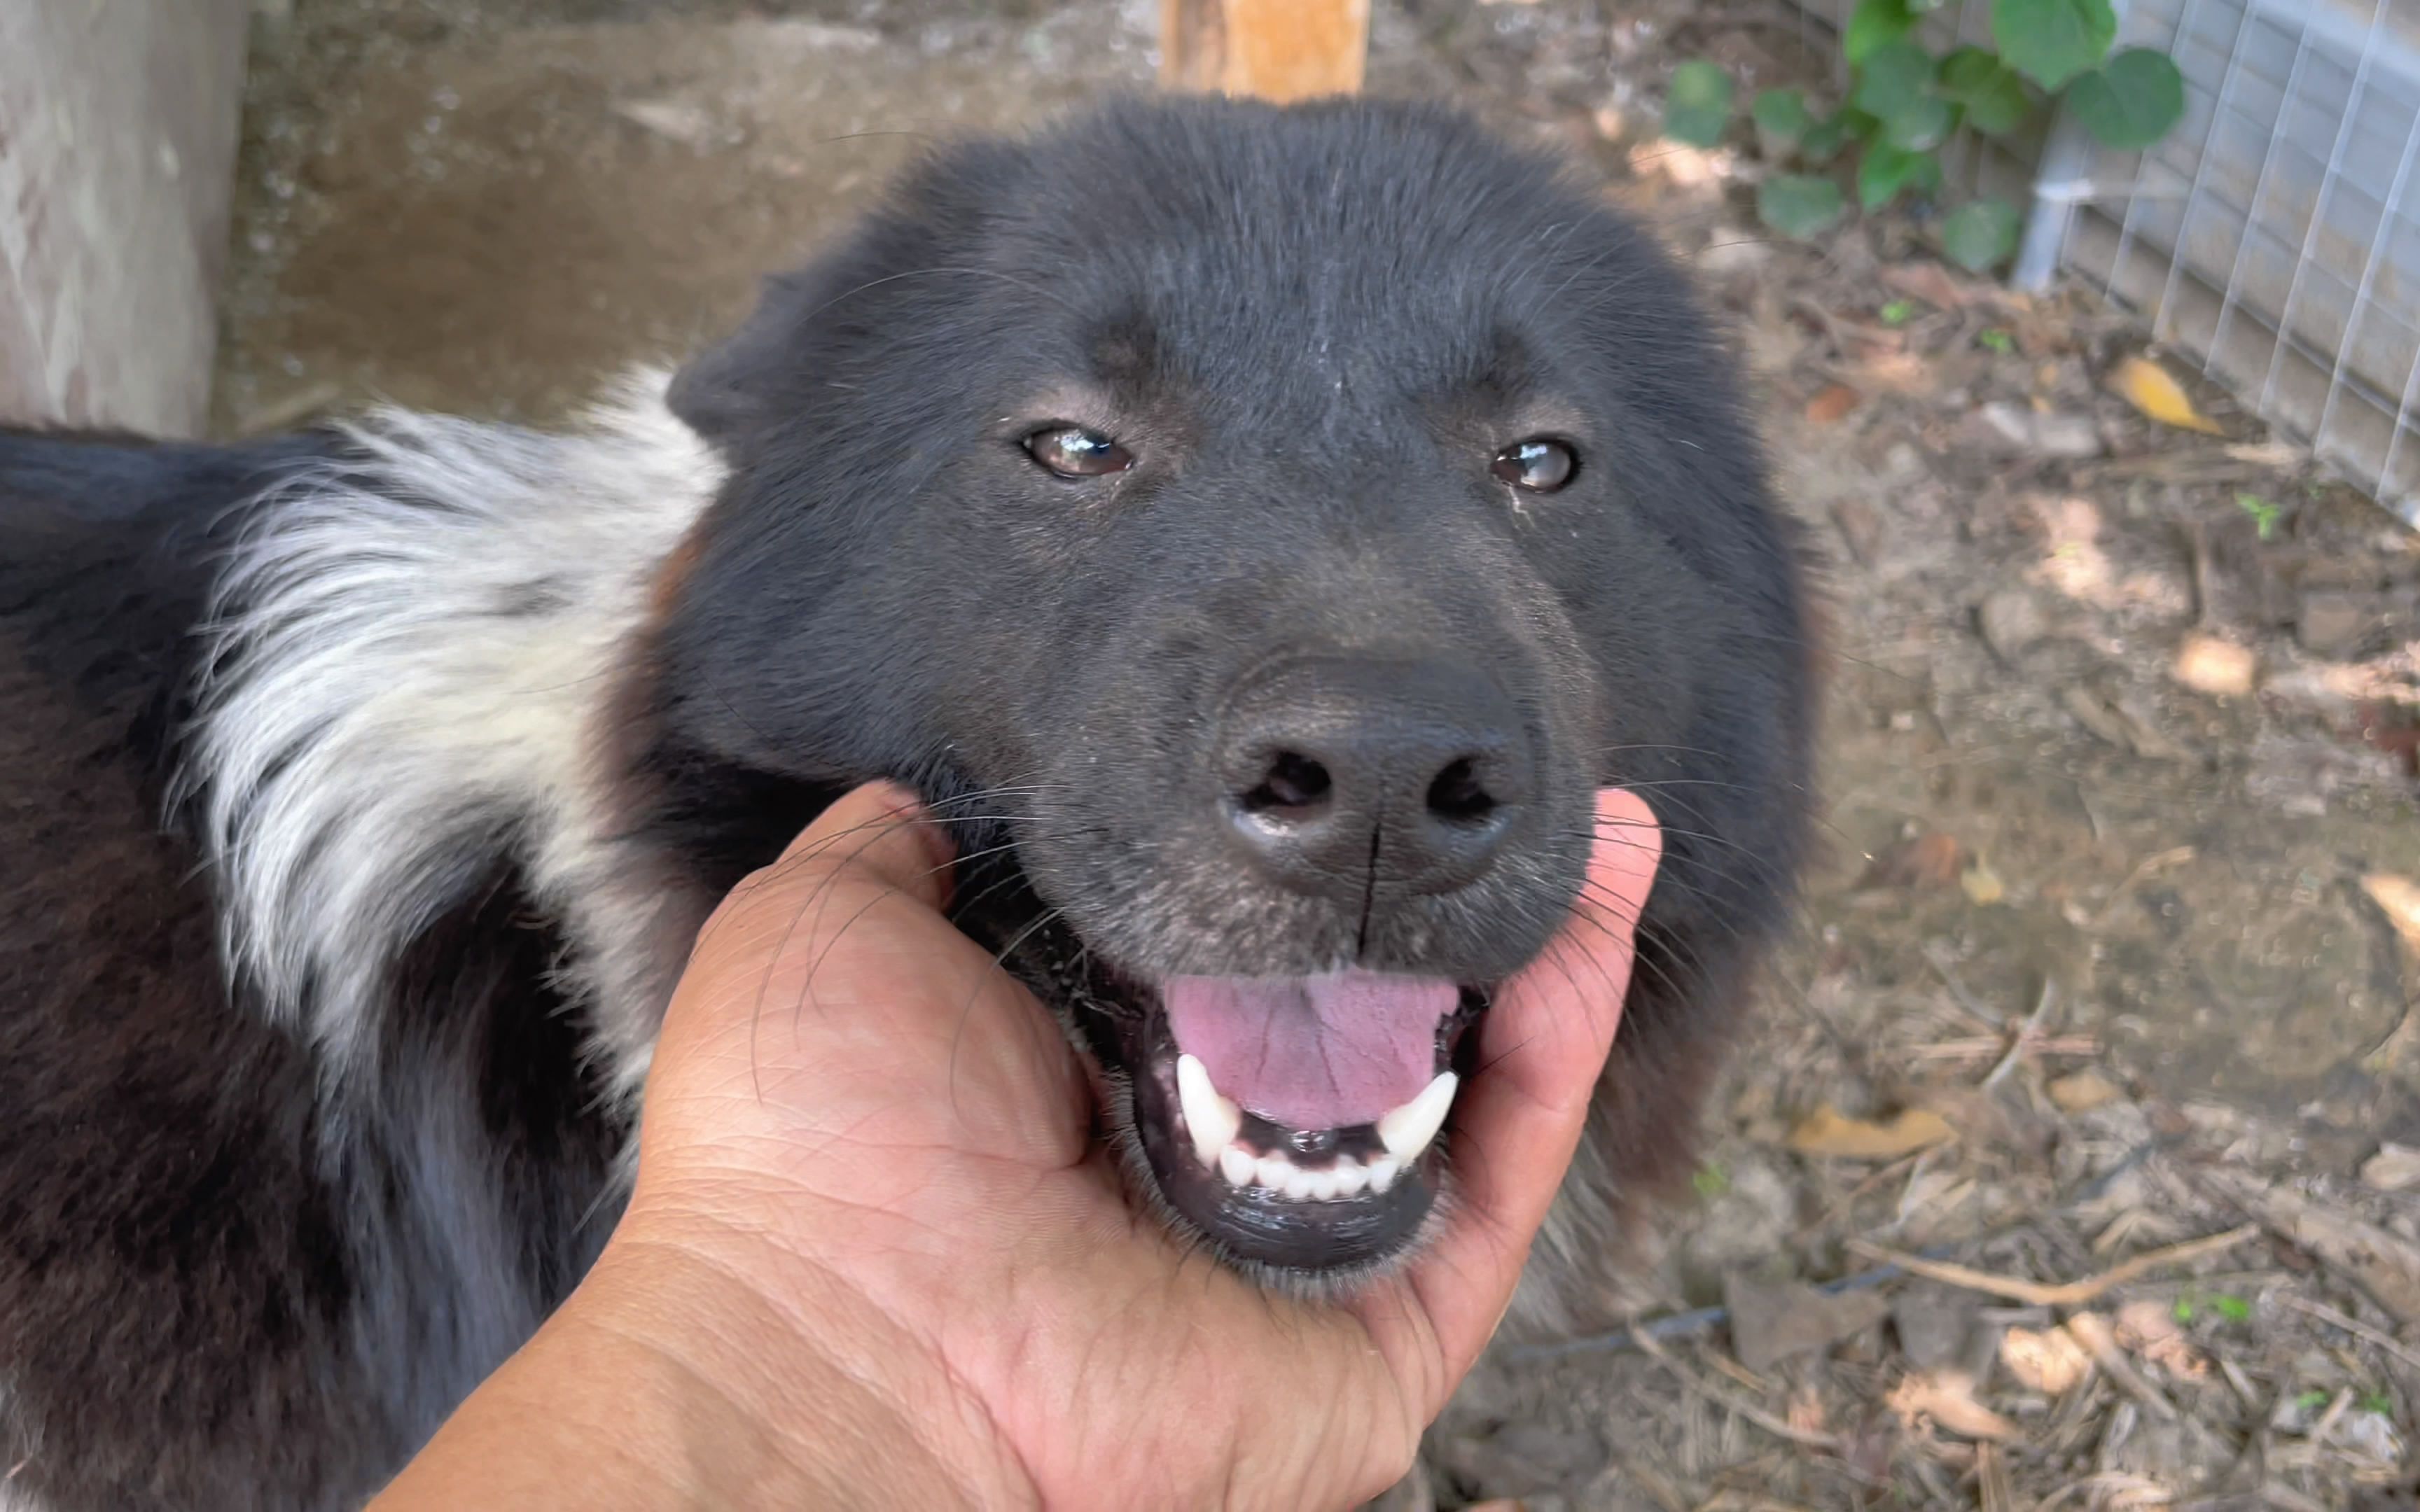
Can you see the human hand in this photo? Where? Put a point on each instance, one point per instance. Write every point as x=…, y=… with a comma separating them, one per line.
x=874, y=1229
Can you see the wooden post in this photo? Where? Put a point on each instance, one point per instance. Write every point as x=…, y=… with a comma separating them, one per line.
x=1278, y=49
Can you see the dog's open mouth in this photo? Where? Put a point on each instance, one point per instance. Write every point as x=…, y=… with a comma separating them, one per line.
x=1299, y=1122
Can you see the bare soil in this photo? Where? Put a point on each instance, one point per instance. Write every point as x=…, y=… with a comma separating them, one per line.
x=2113, y=951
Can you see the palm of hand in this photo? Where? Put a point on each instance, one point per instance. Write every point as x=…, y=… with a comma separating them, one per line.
x=855, y=1112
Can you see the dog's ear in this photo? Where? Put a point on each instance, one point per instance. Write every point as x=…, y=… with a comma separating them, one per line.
x=725, y=393
x=806, y=321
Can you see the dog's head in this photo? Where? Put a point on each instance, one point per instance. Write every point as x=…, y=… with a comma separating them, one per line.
x=1258, y=531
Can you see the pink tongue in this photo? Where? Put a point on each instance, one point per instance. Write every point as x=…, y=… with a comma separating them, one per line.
x=1312, y=1052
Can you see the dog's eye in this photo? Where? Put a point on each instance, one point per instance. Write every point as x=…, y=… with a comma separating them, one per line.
x=1538, y=464
x=1073, y=452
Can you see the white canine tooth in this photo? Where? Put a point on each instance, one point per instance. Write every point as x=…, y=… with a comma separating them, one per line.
x=1324, y=1185
x=1382, y=1173
x=1407, y=1131
x=1237, y=1165
x=1271, y=1171
x=1299, y=1184
x=1350, y=1178
x=1212, y=1120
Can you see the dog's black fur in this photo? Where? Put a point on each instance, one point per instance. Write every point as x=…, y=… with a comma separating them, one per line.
x=227, y=1271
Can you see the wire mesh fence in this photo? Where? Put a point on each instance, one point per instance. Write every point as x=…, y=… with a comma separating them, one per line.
x=2272, y=234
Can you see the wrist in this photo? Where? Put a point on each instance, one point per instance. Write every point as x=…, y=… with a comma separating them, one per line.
x=674, y=1379
x=845, y=1397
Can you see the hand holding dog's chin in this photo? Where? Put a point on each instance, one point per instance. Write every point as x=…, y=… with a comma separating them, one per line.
x=876, y=1257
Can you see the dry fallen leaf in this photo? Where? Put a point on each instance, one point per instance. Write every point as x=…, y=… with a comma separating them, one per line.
x=2394, y=1168
x=1898, y=373
x=1829, y=1132
x=690, y=125
x=2083, y=1091
x=1685, y=166
x=2398, y=898
x=2008, y=429
x=1982, y=885
x=1946, y=1398
x=2206, y=664
x=1929, y=860
x=1926, y=281
x=2147, y=386
x=1832, y=404
x=2151, y=1329
x=2050, y=1361
x=2267, y=454
x=2120, y=726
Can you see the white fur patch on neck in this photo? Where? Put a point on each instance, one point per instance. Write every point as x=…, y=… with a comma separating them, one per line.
x=409, y=658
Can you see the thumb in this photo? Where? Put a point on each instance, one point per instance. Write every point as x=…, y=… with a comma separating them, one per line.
x=1543, y=1045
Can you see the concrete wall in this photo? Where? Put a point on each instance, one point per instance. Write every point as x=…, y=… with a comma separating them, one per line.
x=117, y=136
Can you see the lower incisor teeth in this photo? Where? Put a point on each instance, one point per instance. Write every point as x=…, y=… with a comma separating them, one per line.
x=1237, y=1165
x=1347, y=1177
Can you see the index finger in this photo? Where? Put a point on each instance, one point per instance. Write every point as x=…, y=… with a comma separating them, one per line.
x=1543, y=1048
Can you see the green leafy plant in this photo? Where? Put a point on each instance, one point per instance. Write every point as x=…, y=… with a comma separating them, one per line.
x=2232, y=1308
x=1799, y=204
x=1698, y=105
x=2264, y=513
x=1976, y=234
x=1904, y=102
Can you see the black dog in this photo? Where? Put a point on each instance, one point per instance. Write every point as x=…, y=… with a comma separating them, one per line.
x=1257, y=533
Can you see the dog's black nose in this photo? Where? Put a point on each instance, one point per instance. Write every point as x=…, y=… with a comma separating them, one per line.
x=1341, y=774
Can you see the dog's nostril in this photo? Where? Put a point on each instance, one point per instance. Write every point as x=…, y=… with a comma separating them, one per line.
x=1458, y=795
x=1293, y=784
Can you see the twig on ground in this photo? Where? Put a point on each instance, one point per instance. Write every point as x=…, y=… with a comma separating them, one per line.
x=2064, y=1294
x=1981, y=1048
x=2151, y=866
x=2028, y=1035
x=1659, y=1490
x=2279, y=1495
x=1870, y=1184
x=1777, y=1427
x=2328, y=1420
x=2092, y=1330
x=2355, y=1327
x=1992, y=1479
x=1939, y=961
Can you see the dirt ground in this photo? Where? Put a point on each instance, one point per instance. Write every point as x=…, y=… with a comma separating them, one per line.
x=2114, y=948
